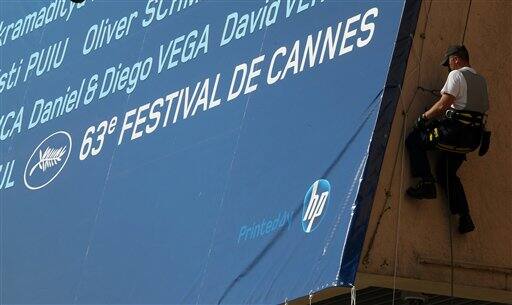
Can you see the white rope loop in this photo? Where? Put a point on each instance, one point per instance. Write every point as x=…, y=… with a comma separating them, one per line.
x=353, y=295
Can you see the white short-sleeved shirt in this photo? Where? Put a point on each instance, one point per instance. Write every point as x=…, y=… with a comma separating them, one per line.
x=457, y=86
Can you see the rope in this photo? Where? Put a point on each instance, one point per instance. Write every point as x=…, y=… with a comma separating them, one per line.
x=452, y=271
x=402, y=143
x=397, y=233
x=405, y=112
x=420, y=56
x=450, y=230
x=402, y=147
x=466, y=25
x=434, y=92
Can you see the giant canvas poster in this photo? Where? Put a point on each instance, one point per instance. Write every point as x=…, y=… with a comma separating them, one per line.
x=185, y=152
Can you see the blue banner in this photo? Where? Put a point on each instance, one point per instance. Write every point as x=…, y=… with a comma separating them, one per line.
x=186, y=151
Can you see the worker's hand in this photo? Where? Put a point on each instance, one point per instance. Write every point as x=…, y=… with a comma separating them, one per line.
x=421, y=122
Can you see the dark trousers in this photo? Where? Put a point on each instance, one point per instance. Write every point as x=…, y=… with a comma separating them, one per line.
x=446, y=170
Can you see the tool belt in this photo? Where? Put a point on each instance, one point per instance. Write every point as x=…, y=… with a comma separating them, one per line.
x=471, y=118
x=458, y=132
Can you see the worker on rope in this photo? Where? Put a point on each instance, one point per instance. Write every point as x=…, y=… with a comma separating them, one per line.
x=458, y=129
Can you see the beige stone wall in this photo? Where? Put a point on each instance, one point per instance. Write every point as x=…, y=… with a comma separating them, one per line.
x=422, y=226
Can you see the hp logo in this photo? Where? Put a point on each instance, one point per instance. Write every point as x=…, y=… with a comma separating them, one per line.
x=315, y=204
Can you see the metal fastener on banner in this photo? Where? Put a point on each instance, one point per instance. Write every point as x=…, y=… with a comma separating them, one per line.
x=353, y=295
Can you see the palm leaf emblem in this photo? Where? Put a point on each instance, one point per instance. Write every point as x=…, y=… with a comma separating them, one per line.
x=48, y=159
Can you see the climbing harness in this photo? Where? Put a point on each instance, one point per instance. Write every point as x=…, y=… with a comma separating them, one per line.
x=460, y=131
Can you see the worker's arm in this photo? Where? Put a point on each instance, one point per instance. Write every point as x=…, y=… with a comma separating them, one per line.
x=440, y=106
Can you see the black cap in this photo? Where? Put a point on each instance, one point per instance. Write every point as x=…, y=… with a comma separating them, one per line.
x=452, y=50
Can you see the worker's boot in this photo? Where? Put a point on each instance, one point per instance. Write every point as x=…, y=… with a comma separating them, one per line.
x=425, y=189
x=466, y=224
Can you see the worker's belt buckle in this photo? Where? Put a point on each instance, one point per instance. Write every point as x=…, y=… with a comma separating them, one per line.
x=449, y=113
x=465, y=117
